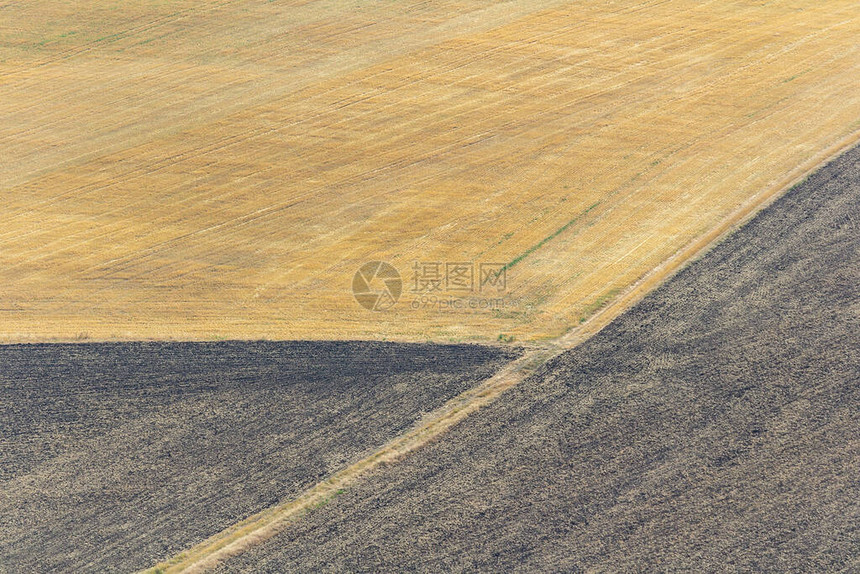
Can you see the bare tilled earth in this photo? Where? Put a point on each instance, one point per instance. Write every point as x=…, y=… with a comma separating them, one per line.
x=713, y=427
x=116, y=456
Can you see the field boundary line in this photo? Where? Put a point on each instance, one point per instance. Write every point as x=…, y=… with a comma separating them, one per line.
x=262, y=526
x=699, y=246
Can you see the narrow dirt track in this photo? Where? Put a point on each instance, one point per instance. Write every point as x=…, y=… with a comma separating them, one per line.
x=205, y=172
x=263, y=526
x=260, y=527
x=710, y=428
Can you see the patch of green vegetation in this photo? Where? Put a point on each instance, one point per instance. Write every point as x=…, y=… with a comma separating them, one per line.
x=549, y=238
x=504, y=314
x=51, y=39
x=325, y=500
x=505, y=338
x=795, y=76
x=149, y=40
x=116, y=36
x=598, y=304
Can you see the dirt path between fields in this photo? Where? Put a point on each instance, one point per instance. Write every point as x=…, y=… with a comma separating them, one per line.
x=264, y=525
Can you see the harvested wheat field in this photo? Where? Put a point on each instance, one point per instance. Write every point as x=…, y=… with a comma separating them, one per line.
x=234, y=234
x=711, y=428
x=190, y=170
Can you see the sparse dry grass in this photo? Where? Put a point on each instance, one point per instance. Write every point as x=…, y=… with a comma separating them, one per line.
x=177, y=170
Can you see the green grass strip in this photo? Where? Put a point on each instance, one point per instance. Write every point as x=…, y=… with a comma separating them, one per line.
x=549, y=238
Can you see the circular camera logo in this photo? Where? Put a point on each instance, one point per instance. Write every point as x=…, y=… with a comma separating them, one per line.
x=377, y=286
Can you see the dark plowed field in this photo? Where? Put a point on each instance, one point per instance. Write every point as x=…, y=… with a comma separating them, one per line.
x=115, y=456
x=714, y=427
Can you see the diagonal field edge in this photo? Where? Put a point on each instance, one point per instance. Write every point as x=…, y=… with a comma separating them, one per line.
x=264, y=525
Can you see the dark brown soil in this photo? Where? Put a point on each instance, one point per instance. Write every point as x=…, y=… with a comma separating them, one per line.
x=714, y=427
x=117, y=456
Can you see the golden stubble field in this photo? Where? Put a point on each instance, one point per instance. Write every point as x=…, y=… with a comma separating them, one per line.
x=193, y=170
